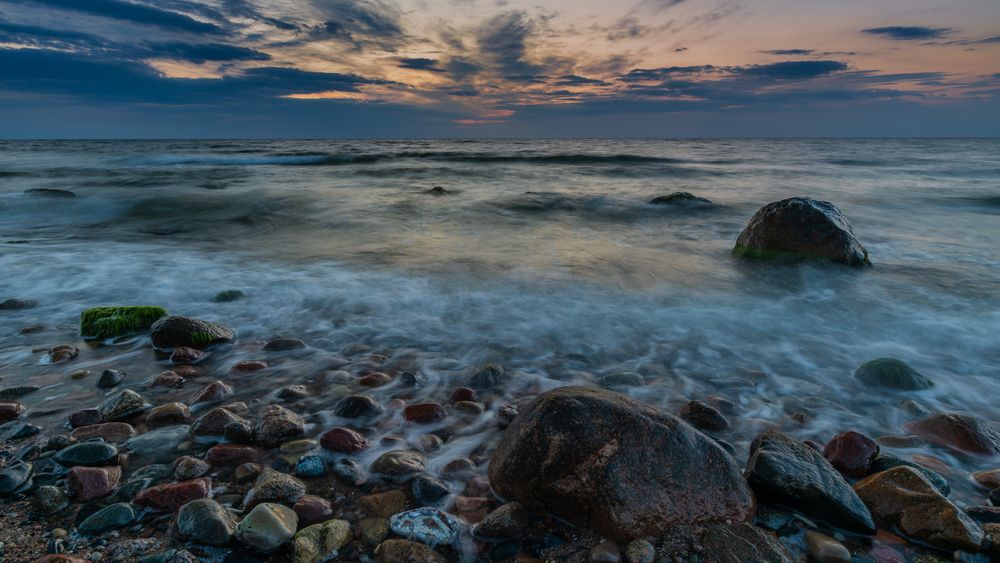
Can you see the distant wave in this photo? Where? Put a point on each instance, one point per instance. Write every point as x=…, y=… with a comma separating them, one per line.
x=327, y=159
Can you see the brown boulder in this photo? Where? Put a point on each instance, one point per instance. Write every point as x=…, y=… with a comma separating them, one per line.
x=89, y=483
x=963, y=432
x=171, y=496
x=343, y=440
x=851, y=453
x=617, y=466
x=903, y=499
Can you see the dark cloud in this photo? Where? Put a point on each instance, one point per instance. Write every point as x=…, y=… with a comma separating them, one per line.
x=502, y=43
x=793, y=70
x=134, y=13
x=362, y=24
x=794, y=52
x=647, y=74
x=430, y=65
x=199, y=53
x=909, y=33
x=41, y=37
x=243, y=9
x=627, y=28
x=574, y=80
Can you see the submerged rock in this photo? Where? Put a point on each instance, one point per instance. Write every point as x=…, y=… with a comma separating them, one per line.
x=962, y=432
x=681, y=198
x=110, y=322
x=228, y=296
x=801, y=228
x=357, y=406
x=171, y=332
x=616, y=466
x=50, y=192
x=110, y=378
x=901, y=498
x=892, y=373
x=284, y=345
x=16, y=304
x=487, y=377
x=789, y=473
x=703, y=416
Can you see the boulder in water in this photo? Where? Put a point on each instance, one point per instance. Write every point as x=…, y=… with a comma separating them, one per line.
x=619, y=467
x=171, y=332
x=801, y=228
x=50, y=192
x=960, y=432
x=686, y=199
x=892, y=373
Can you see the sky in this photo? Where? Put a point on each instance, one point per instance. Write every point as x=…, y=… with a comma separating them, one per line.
x=498, y=68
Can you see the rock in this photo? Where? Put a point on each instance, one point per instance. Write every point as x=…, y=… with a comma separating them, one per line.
x=169, y=379
x=89, y=483
x=320, y=542
x=182, y=355
x=851, y=453
x=167, y=414
x=470, y=407
x=350, y=472
x=605, y=552
x=63, y=353
x=90, y=454
x=9, y=410
x=463, y=394
x=736, y=543
x=284, y=345
x=230, y=454
x=17, y=430
x=981, y=514
x=425, y=413
x=617, y=466
x=426, y=525
x=623, y=380
x=488, y=377
x=215, y=421
x=174, y=331
x=640, y=551
x=274, y=487
x=15, y=478
x=901, y=498
x=458, y=468
x=801, y=228
x=506, y=415
x=375, y=379
x=160, y=444
x=312, y=509
x=110, y=378
x=111, y=517
x=267, y=527
x=357, y=406
x=988, y=478
x=429, y=490
x=437, y=191
x=962, y=432
x=399, y=466
x=86, y=417
x=681, y=198
x=49, y=499
x=383, y=504
x=276, y=424
x=507, y=521
x=214, y=392
x=885, y=462
x=122, y=405
x=343, y=440
x=824, y=549
x=293, y=450
x=111, y=322
x=992, y=531
x=16, y=304
x=206, y=522
x=228, y=296
x=891, y=373
x=171, y=496
x=704, y=416
x=188, y=467
x=373, y=530
x=399, y=551
x=9, y=393
x=412, y=379
x=249, y=366
x=50, y=192
x=293, y=392
x=310, y=466
x=789, y=473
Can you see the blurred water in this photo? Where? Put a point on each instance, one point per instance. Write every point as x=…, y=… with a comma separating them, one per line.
x=336, y=242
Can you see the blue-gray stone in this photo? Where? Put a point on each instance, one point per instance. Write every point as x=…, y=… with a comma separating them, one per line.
x=426, y=525
x=310, y=466
x=108, y=518
x=15, y=478
x=91, y=454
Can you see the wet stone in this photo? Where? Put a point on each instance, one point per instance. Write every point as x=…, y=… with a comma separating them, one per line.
x=122, y=405
x=961, y=432
x=170, y=379
x=373, y=530
x=424, y=413
x=507, y=521
x=212, y=393
x=704, y=417
x=605, y=552
x=276, y=424
x=399, y=466
x=284, y=345
x=394, y=551
x=885, y=462
x=293, y=393
x=17, y=304
x=9, y=410
x=184, y=355
x=350, y=472
x=17, y=430
x=171, y=496
x=88, y=483
x=14, y=478
x=249, y=366
x=160, y=444
x=824, y=549
x=188, y=467
x=110, y=378
x=267, y=527
x=206, y=522
x=167, y=414
x=625, y=379
x=383, y=504
x=10, y=393
x=463, y=394
x=312, y=509
x=639, y=551
x=274, y=486
x=310, y=466
x=429, y=490
x=357, y=406
x=111, y=517
x=213, y=422
x=230, y=454
x=87, y=453
x=49, y=499
x=320, y=542
x=63, y=353
x=412, y=379
x=470, y=407
x=375, y=379
x=343, y=440
x=426, y=525
x=111, y=432
x=173, y=331
x=852, y=453
x=891, y=373
x=488, y=377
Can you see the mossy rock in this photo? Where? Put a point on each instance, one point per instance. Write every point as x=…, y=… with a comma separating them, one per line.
x=110, y=322
x=892, y=373
x=228, y=296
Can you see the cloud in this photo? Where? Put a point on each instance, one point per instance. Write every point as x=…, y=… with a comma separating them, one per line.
x=793, y=70
x=362, y=24
x=909, y=33
x=793, y=52
x=200, y=53
x=429, y=65
x=574, y=80
x=502, y=42
x=134, y=13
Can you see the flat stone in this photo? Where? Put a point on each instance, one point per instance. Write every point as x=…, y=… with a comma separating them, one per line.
x=399, y=466
x=343, y=440
x=743, y=542
x=63, y=353
x=267, y=527
x=111, y=517
x=122, y=405
x=988, y=478
x=885, y=462
x=903, y=499
x=87, y=453
x=15, y=478
x=312, y=509
x=383, y=504
x=17, y=430
x=320, y=542
x=89, y=483
x=111, y=432
x=249, y=366
x=284, y=345
x=214, y=422
x=17, y=304
x=206, y=522
x=824, y=549
x=85, y=417
x=171, y=496
x=960, y=432
x=160, y=444
x=426, y=525
x=167, y=414
x=231, y=454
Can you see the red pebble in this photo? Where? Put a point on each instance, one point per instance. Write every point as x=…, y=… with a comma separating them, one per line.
x=168, y=379
x=343, y=440
x=312, y=509
x=375, y=379
x=463, y=394
x=89, y=483
x=851, y=453
x=230, y=454
x=170, y=497
x=9, y=410
x=212, y=393
x=247, y=366
x=424, y=413
x=185, y=355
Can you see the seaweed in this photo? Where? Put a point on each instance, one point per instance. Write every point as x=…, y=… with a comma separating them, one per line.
x=228, y=295
x=109, y=322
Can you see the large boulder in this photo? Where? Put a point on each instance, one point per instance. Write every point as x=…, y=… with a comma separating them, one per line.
x=801, y=227
x=617, y=466
x=787, y=472
x=967, y=433
x=892, y=373
x=171, y=332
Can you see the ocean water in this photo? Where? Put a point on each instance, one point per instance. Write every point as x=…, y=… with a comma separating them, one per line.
x=545, y=256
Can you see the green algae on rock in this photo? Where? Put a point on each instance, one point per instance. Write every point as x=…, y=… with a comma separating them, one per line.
x=110, y=322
